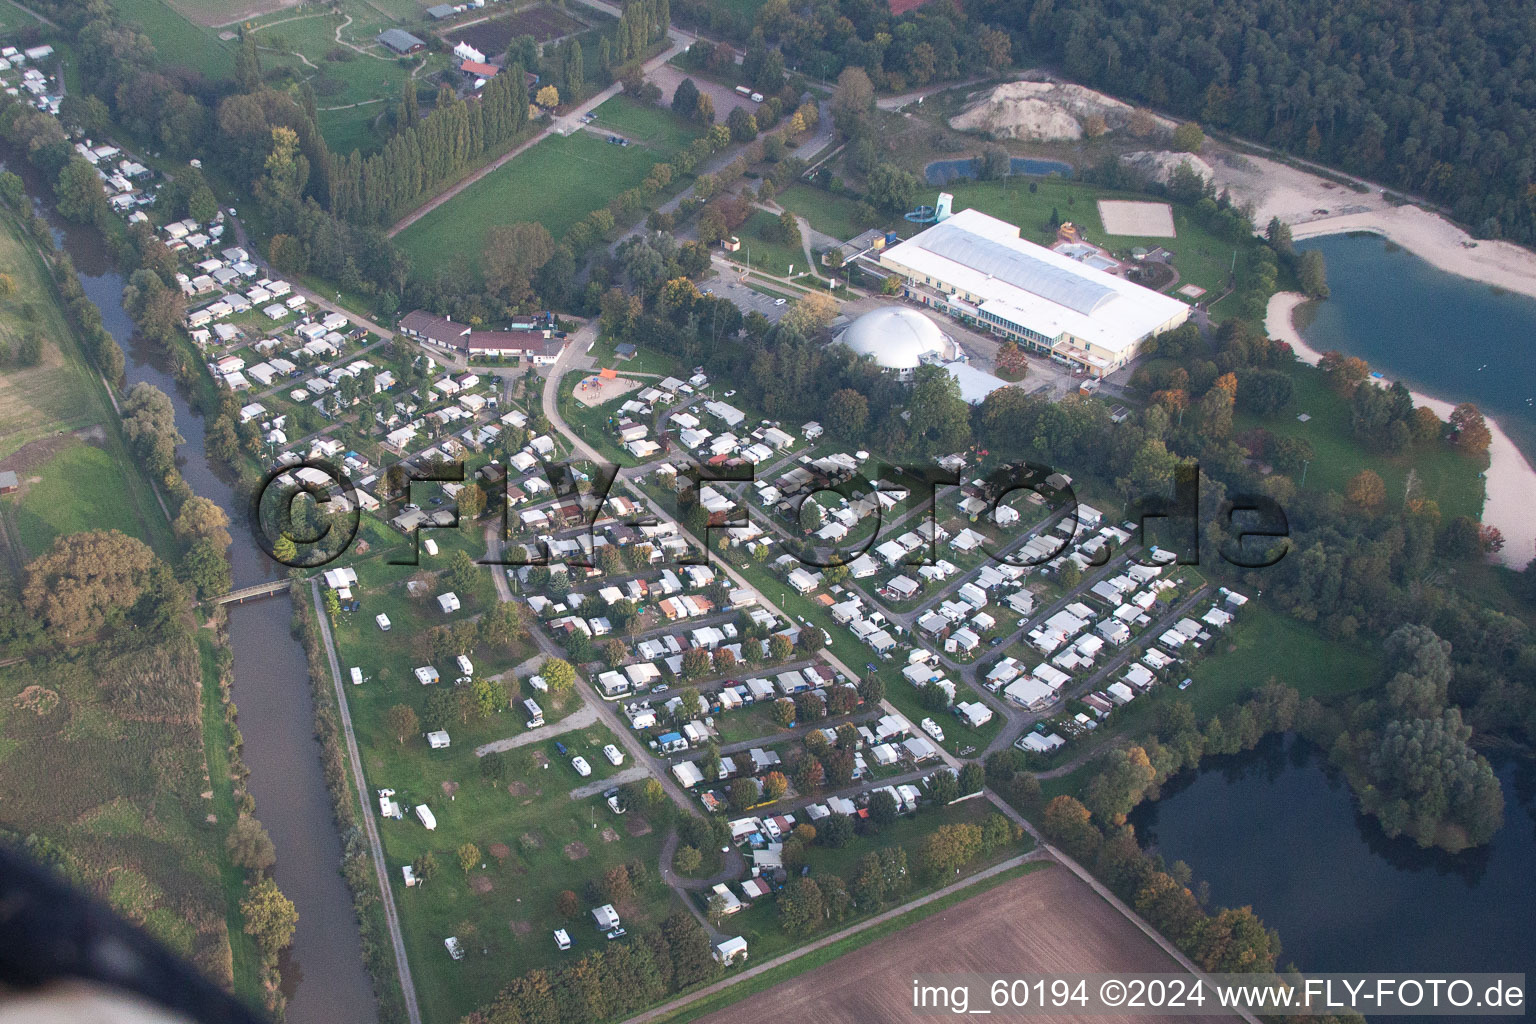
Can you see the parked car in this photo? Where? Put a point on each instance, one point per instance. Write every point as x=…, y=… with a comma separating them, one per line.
x=617, y=933
x=560, y=748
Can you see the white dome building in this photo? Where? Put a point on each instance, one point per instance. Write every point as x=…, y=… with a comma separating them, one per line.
x=899, y=339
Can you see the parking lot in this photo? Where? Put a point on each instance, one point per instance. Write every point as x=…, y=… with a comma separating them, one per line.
x=748, y=299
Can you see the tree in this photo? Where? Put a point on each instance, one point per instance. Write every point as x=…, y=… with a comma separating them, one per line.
x=704, y=109
x=249, y=846
x=1120, y=784
x=566, y=904
x=548, y=97
x=469, y=857
x=872, y=689
x=882, y=808
x=687, y=859
x=424, y=867
x=512, y=255
x=206, y=568
x=834, y=831
x=471, y=502
x=743, y=793
x=811, y=313
x=939, y=417
x=972, y=777
x=891, y=188
x=1366, y=489
x=696, y=663
x=200, y=518
x=1188, y=137
x=1470, y=429
x=853, y=100
x=1312, y=274
x=80, y=194
x=949, y=847
x=685, y=99
x=775, y=785
x=270, y=918
x=402, y=721
x=559, y=674
x=742, y=125
x=800, y=906
x=943, y=786
x=500, y=624
x=617, y=886
x=1068, y=822
x=779, y=647
x=86, y=580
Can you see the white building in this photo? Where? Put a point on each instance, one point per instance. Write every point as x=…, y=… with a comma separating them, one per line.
x=977, y=267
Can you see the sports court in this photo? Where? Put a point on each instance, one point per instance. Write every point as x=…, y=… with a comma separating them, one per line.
x=1136, y=219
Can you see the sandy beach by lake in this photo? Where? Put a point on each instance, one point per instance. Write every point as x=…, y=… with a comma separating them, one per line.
x=1510, y=484
x=1314, y=206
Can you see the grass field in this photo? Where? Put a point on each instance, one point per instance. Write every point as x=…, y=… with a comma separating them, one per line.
x=834, y=215
x=1439, y=471
x=111, y=774
x=13, y=18
x=178, y=40
x=57, y=394
x=535, y=840
x=556, y=183
x=761, y=253
x=79, y=488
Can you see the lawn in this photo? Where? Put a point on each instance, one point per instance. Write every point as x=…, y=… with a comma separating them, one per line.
x=535, y=840
x=56, y=394
x=13, y=18
x=556, y=183
x=833, y=215
x=760, y=252
x=178, y=40
x=656, y=127
x=1440, y=472
x=80, y=488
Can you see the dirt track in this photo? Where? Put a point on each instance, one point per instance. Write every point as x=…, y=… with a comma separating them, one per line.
x=1046, y=922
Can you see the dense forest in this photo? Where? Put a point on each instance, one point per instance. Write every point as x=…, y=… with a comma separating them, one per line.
x=1437, y=97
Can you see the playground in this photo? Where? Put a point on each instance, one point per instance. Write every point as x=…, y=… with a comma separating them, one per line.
x=602, y=387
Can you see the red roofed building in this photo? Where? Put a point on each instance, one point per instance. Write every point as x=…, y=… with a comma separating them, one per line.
x=479, y=70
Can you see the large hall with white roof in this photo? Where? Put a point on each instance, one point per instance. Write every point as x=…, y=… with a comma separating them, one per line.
x=976, y=267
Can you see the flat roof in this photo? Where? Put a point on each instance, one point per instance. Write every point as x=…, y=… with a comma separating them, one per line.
x=1029, y=285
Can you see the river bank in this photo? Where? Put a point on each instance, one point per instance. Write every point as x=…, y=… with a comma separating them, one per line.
x=1510, y=481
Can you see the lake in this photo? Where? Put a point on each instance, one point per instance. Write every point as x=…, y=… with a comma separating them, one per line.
x=1447, y=336
x=1277, y=828
x=941, y=172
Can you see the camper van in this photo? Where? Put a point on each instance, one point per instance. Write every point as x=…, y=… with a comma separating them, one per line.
x=535, y=713
x=562, y=939
x=466, y=667
x=357, y=676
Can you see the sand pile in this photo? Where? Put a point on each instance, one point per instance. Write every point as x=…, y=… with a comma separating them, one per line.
x=1159, y=164
x=1043, y=112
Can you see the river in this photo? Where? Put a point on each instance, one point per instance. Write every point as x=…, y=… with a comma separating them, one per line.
x=322, y=974
x=1447, y=336
x=1278, y=829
